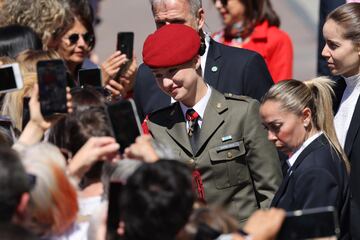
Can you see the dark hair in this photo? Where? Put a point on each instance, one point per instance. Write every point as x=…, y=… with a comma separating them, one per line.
x=256, y=12
x=157, y=200
x=13, y=183
x=348, y=16
x=73, y=131
x=16, y=38
x=86, y=97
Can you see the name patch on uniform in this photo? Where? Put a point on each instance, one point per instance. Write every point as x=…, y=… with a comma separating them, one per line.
x=228, y=146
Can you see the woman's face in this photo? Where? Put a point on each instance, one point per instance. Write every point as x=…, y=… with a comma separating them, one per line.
x=75, y=44
x=231, y=11
x=341, y=54
x=285, y=129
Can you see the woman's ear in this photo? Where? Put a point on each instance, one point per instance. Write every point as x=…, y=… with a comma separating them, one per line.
x=307, y=117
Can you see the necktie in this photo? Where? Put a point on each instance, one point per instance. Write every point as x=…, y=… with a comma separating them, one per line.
x=192, y=116
x=193, y=131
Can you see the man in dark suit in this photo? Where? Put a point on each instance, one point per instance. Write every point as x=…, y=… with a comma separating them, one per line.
x=227, y=69
x=219, y=136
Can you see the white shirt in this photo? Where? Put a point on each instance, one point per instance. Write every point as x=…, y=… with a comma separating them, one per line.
x=347, y=107
x=296, y=154
x=204, y=56
x=199, y=107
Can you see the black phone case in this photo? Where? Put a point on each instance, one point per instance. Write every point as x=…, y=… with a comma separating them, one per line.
x=125, y=122
x=310, y=223
x=52, y=81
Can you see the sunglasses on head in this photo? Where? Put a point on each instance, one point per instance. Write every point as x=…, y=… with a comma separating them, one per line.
x=88, y=38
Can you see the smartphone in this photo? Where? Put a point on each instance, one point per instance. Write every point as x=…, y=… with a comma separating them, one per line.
x=125, y=44
x=52, y=79
x=10, y=78
x=90, y=77
x=26, y=112
x=310, y=223
x=125, y=122
x=114, y=210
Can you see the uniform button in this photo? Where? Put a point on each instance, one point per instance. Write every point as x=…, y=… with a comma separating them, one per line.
x=218, y=105
x=229, y=155
x=230, y=94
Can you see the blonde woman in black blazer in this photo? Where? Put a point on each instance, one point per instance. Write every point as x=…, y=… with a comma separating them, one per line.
x=299, y=120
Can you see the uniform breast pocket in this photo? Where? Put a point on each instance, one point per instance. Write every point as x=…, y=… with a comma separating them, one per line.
x=229, y=164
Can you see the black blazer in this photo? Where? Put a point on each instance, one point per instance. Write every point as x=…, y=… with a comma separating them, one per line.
x=318, y=179
x=352, y=150
x=228, y=70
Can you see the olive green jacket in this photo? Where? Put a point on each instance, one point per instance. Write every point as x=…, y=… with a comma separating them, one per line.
x=239, y=167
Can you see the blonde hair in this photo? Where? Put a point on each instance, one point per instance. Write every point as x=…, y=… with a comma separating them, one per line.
x=53, y=202
x=13, y=101
x=43, y=16
x=315, y=94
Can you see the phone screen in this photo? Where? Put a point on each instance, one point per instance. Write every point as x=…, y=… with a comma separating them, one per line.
x=26, y=111
x=10, y=77
x=310, y=223
x=90, y=77
x=114, y=210
x=125, y=122
x=52, y=80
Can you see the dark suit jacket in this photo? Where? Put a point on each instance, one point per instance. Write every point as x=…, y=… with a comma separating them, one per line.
x=318, y=179
x=228, y=70
x=241, y=173
x=352, y=150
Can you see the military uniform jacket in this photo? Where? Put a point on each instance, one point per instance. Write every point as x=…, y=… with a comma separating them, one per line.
x=239, y=167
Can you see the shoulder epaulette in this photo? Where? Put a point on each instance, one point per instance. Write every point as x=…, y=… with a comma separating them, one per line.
x=235, y=97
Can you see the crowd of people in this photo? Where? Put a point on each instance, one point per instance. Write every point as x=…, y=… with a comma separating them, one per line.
x=230, y=141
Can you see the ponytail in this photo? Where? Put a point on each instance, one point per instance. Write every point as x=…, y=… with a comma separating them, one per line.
x=323, y=117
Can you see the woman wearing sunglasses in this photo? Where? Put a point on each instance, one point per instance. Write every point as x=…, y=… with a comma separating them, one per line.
x=254, y=25
x=74, y=42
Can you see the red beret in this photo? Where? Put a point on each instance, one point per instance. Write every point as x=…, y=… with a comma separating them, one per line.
x=171, y=45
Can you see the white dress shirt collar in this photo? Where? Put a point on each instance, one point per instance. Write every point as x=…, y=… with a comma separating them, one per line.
x=346, y=109
x=204, y=56
x=200, y=106
x=296, y=154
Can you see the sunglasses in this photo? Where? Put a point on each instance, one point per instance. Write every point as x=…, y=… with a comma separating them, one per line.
x=88, y=38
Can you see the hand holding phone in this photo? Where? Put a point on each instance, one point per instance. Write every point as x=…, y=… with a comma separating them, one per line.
x=10, y=78
x=125, y=44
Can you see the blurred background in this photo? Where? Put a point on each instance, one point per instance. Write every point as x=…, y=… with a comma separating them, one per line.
x=299, y=18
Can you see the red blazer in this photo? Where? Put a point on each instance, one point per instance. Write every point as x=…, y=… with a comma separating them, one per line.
x=273, y=44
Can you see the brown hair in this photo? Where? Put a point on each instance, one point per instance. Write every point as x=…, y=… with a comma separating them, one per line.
x=315, y=94
x=348, y=16
x=256, y=12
